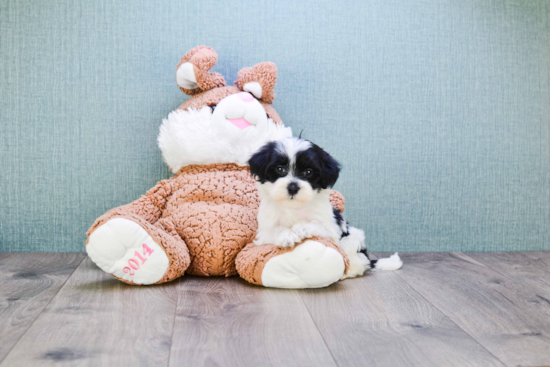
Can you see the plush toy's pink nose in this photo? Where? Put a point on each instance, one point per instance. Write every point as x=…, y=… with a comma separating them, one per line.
x=246, y=97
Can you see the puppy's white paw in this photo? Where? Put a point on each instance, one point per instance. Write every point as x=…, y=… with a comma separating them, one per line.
x=302, y=230
x=287, y=238
x=308, y=230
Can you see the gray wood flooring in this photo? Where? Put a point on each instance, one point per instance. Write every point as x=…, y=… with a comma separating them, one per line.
x=441, y=309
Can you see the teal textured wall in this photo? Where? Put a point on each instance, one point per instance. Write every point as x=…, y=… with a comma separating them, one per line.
x=438, y=110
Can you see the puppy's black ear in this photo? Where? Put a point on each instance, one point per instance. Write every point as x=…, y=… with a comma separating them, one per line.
x=260, y=161
x=331, y=170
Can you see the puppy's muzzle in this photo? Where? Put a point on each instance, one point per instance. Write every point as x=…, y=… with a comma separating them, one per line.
x=293, y=188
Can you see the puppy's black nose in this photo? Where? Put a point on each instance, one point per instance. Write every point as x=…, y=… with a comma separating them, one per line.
x=293, y=188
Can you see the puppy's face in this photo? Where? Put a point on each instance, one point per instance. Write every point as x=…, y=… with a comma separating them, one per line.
x=292, y=171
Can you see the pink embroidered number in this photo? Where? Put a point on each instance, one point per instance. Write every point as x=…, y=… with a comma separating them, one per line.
x=146, y=250
x=140, y=257
x=134, y=264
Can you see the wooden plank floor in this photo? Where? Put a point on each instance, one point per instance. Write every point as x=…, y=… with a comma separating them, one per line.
x=441, y=309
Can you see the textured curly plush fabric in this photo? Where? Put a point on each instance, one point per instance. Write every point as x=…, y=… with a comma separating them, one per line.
x=214, y=209
x=337, y=200
x=203, y=59
x=252, y=259
x=143, y=212
x=214, y=96
x=203, y=217
x=208, y=98
x=264, y=73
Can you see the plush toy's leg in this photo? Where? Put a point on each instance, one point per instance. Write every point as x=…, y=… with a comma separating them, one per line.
x=136, y=251
x=314, y=263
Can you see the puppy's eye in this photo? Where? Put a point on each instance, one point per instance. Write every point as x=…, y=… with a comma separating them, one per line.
x=307, y=173
x=282, y=170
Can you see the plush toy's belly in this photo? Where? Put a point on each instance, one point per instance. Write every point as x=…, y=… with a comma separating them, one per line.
x=214, y=210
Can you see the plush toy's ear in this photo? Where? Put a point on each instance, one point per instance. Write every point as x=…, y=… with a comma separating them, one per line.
x=192, y=73
x=259, y=80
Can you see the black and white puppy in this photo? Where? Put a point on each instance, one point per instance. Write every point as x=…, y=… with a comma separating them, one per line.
x=294, y=177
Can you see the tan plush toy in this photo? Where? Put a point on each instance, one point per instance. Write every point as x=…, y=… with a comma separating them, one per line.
x=202, y=221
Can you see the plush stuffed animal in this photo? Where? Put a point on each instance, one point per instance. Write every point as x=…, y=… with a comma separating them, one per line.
x=202, y=221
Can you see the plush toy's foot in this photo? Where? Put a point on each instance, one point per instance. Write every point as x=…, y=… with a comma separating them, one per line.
x=315, y=263
x=126, y=250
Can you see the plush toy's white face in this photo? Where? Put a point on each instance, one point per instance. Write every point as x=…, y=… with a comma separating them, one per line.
x=240, y=118
x=227, y=133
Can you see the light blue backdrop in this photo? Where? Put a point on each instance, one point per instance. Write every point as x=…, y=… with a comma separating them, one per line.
x=438, y=110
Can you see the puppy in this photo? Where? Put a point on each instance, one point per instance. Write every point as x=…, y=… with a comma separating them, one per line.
x=294, y=177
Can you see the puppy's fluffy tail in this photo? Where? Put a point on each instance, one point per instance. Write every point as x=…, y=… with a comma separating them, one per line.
x=354, y=246
x=393, y=262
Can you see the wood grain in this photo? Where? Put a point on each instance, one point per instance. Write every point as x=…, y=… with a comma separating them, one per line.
x=507, y=318
x=378, y=320
x=540, y=258
x=96, y=320
x=520, y=268
x=439, y=310
x=28, y=281
x=228, y=322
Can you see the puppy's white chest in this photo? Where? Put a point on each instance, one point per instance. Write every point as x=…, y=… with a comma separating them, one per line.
x=288, y=218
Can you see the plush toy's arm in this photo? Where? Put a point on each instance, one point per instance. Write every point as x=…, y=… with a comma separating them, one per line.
x=337, y=200
x=149, y=207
